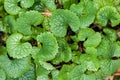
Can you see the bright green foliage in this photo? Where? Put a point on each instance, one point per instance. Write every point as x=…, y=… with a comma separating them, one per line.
x=50, y=4
x=64, y=73
x=14, y=68
x=67, y=3
x=108, y=67
x=110, y=34
x=2, y=74
x=85, y=33
x=86, y=11
x=29, y=75
x=11, y=6
x=59, y=39
x=102, y=3
x=93, y=41
x=78, y=74
x=64, y=52
x=49, y=46
x=60, y=20
x=9, y=23
x=46, y=66
x=108, y=15
x=27, y=3
x=26, y=20
x=16, y=48
x=42, y=73
x=91, y=62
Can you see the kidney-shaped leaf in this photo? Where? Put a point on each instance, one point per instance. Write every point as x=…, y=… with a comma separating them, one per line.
x=14, y=68
x=60, y=20
x=11, y=6
x=108, y=14
x=17, y=49
x=86, y=11
x=49, y=47
x=64, y=52
x=26, y=20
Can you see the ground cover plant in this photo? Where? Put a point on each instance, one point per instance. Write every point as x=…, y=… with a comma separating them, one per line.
x=59, y=39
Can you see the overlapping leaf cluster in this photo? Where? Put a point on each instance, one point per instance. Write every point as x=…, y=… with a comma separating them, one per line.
x=59, y=39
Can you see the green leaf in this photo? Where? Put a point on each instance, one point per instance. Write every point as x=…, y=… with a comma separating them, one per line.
x=115, y=50
x=42, y=73
x=103, y=48
x=49, y=46
x=50, y=4
x=64, y=73
x=77, y=72
x=60, y=20
x=2, y=74
x=27, y=3
x=29, y=75
x=11, y=6
x=102, y=3
x=55, y=74
x=111, y=34
x=2, y=50
x=108, y=14
x=67, y=3
x=93, y=41
x=38, y=6
x=14, y=68
x=9, y=23
x=85, y=33
x=86, y=11
x=17, y=49
x=109, y=67
x=26, y=20
x=64, y=52
x=46, y=65
x=91, y=62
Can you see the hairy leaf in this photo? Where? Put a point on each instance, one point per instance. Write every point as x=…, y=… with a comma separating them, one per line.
x=16, y=48
x=49, y=47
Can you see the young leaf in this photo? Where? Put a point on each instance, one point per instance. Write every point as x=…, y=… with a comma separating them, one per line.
x=41, y=73
x=29, y=75
x=67, y=3
x=64, y=73
x=60, y=20
x=11, y=6
x=49, y=47
x=93, y=41
x=17, y=49
x=2, y=74
x=110, y=34
x=77, y=72
x=14, y=68
x=27, y=3
x=85, y=33
x=86, y=11
x=26, y=20
x=108, y=14
x=91, y=62
x=50, y=4
x=64, y=52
